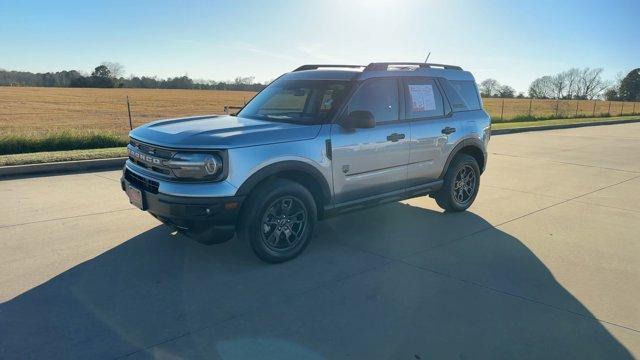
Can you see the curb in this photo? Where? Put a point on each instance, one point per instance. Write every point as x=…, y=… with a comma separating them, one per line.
x=118, y=163
x=561, y=126
x=61, y=167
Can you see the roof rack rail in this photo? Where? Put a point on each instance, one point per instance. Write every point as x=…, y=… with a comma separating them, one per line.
x=317, y=66
x=383, y=66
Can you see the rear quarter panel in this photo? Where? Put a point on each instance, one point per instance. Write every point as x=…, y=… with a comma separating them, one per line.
x=474, y=125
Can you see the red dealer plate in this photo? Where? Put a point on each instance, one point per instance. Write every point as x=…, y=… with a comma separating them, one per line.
x=135, y=196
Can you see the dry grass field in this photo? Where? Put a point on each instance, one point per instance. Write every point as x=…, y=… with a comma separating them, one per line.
x=40, y=111
x=49, y=119
x=566, y=108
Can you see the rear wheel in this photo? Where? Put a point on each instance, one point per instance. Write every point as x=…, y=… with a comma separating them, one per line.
x=461, y=183
x=278, y=220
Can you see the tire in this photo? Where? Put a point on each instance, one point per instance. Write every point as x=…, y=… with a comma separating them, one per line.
x=463, y=168
x=278, y=220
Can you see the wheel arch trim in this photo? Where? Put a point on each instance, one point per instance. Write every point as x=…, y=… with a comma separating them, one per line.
x=282, y=167
x=469, y=142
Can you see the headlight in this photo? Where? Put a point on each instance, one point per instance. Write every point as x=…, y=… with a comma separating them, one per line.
x=212, y=165
x=196, y=166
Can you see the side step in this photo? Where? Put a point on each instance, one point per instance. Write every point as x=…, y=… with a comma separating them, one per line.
x=375, y=200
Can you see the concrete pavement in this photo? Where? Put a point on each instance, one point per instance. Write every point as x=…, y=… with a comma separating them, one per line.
x=544, y=265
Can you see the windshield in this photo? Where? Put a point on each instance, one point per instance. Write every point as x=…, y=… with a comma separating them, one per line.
x=299, y=101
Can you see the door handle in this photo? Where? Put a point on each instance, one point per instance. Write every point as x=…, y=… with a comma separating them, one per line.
x=448, y=130
x=395, y=137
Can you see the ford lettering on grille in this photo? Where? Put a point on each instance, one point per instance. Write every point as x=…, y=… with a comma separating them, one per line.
x=145, y=158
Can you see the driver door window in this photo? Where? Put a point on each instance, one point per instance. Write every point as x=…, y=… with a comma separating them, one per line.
x=378, y=96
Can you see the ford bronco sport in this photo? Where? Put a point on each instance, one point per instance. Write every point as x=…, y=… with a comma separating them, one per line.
x=318, y=141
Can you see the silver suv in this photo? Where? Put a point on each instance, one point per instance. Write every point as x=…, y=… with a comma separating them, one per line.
x=318, y=141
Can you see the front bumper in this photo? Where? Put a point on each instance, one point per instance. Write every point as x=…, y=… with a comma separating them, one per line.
x=193, y=215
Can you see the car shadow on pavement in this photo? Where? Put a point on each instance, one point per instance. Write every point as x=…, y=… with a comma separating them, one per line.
x=488, y=296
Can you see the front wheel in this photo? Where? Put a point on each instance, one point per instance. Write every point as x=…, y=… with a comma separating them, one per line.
x=461, y=183
x=278, y=220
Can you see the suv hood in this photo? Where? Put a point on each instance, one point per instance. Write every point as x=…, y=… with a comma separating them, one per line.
x=220, y=132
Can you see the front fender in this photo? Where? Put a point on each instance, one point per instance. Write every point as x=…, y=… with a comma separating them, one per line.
x=282, y=167
x=250, y=165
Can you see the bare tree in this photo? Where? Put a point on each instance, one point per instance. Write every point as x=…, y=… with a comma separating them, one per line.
x=506, y=91
x=590, y=83
x=244, y=80
x=572, y=75
x=574, y=83
x=542, y=88
x=116, y=69
x=559, y=84
x=489, y=87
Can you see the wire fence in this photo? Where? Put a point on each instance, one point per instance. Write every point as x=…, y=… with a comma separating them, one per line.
x=502, y=110
x=43, y=111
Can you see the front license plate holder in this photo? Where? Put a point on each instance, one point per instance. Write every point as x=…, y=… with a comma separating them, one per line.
x=136, y=196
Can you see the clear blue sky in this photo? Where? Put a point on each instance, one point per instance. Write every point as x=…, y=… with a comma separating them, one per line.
x=511, y=41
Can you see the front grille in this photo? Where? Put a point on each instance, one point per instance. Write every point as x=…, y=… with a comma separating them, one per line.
x=153, y=150
x=141, y=182
x=157, y=169
x=154, y=157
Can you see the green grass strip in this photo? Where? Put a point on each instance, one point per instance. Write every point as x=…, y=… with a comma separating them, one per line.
x=57, y=156
x=64, y=140
x=525, y=124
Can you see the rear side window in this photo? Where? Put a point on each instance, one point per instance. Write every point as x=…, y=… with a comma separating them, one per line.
x=466, y=91
x=423, y=98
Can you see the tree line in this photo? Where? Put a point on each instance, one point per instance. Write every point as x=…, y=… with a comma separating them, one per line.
x=575, y=83
x=110, y=75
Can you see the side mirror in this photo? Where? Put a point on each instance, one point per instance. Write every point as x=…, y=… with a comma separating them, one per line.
x=359, y=119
